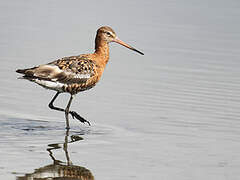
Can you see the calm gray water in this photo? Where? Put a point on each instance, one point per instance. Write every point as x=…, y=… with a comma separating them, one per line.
x=171, y=114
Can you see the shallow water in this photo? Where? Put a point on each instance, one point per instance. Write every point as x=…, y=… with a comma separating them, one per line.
x=171, y=114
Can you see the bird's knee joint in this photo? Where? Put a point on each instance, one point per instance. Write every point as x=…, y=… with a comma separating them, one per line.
x=50, y=105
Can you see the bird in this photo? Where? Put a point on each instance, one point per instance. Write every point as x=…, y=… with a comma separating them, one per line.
x=74, y=74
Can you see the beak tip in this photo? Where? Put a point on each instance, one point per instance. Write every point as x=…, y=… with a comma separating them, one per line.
x=138, y=51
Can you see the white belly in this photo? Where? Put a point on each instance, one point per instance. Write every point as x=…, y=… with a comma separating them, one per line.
x=50, y=84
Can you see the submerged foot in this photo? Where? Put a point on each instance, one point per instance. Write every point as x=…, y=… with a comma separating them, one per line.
x=78, y=117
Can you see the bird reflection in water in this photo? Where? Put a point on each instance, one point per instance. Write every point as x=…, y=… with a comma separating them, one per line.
x=60, y=170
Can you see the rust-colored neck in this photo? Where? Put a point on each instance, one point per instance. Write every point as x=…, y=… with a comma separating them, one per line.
x=101, y=51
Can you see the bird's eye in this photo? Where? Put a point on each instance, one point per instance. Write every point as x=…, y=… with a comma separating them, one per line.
x=108, y=34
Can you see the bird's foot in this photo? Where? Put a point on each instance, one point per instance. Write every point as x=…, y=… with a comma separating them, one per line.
x=78, y=117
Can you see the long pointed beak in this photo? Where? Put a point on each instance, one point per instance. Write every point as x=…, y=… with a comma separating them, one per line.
x=117, y=40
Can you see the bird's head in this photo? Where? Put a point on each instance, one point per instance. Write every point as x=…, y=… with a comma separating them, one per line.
x=108, y=35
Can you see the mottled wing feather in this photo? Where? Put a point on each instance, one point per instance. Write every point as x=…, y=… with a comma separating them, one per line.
x=70, y=74
x=74, y=69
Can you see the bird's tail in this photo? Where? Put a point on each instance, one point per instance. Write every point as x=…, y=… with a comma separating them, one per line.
x=21, y=71
x=27, y=73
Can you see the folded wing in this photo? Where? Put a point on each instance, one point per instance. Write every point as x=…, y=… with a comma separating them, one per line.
x=65, y=71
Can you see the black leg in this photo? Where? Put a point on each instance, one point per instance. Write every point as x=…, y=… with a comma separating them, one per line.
x=73, y=113
x=50, y=105
x=67, y=112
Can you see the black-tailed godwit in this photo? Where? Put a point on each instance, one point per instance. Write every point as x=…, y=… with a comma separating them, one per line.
x=75, y=73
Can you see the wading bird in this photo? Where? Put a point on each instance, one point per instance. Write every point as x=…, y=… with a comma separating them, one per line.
x=75, y=73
